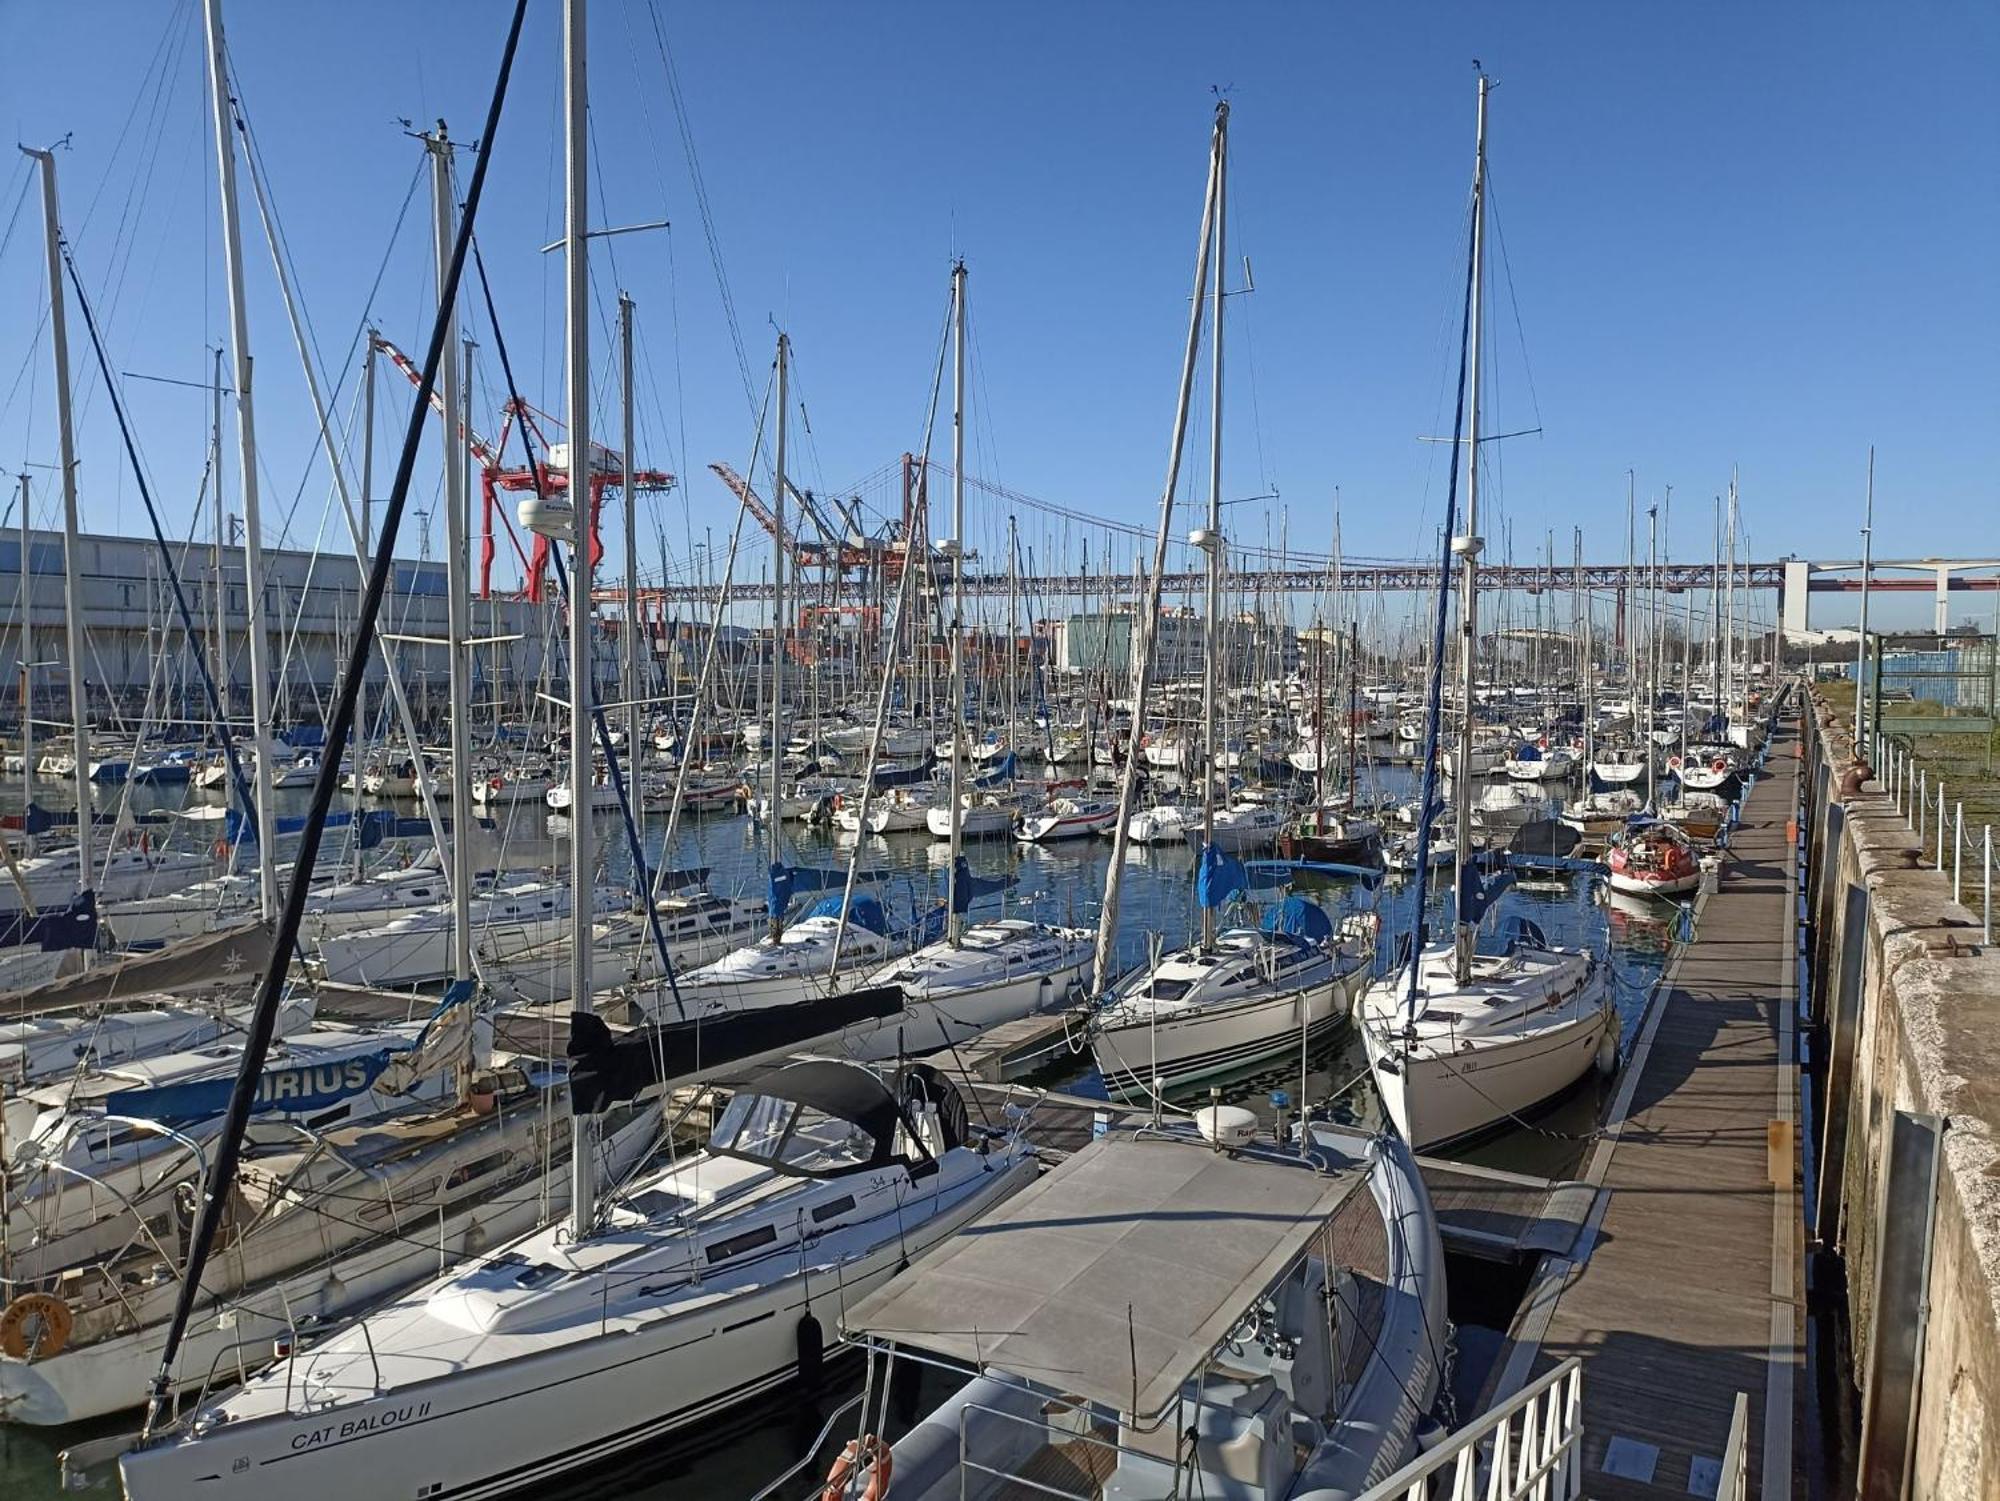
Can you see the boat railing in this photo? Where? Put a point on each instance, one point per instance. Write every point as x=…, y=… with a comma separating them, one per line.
x=1529, y=1448
x=812, y=1450
x=1734, y=1483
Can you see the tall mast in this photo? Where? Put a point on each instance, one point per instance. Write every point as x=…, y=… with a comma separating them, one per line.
x=358, y=755
x=1652, y=644
x=630, y=633
x=221, y=642
x=774, y=823
x=1146, y=610
x=28, y=656
x=954, y=925
x=1467, y=547
x=72, y=574
x=576, y=270
x=1210, y=540
x=246, y=441
x=458, y=573
x=1860, y=648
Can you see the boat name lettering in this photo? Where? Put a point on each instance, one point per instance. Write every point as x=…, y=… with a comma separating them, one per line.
x=362, y=1427
x=319, y=1079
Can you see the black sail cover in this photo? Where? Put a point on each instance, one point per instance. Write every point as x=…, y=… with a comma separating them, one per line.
x=606, y=1069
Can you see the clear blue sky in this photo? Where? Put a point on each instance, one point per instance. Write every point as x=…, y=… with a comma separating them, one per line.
x=1751, y=235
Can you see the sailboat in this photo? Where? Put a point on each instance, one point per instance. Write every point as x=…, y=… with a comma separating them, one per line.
x=1234, y=997
x=1460, y=1041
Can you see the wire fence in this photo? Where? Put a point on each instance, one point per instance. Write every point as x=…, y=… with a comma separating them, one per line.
x=1939, y=824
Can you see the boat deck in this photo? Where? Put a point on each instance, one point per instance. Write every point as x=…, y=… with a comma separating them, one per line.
x=1481, y=1211
x=1685, y=1286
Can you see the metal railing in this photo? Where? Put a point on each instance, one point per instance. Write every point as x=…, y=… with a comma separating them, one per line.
x=1529, y=1448
x=1734, y=1482
x=1939, y=826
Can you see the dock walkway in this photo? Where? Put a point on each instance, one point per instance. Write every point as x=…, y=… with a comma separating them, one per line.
x=1685, y=1285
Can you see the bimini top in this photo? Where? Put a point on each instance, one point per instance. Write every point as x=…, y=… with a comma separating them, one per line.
x=1116, y=1277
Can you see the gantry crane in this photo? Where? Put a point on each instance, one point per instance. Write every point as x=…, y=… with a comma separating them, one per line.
x=606, y=471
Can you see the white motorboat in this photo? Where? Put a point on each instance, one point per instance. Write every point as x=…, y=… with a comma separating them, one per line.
x=980, y=817
x=561, y=799
x=698, y=929
x=1255, y=996
x=1070, y=818
x=1540, y=762
x=1508, y=805
x=1621, y=766
x=1241, y=826
x=691, y=1293
x=897, y=810
x=1197, y=1340
x=1163, y=823
x=999, y=971
x=1601, y=813
x=796, y=966
x=417, y=949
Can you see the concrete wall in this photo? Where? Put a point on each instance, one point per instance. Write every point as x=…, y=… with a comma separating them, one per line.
x=1927, y=1040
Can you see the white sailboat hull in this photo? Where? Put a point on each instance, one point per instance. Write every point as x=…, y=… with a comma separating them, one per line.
x=1438, y=1097
x=500, y=1428
x=1207, y=1040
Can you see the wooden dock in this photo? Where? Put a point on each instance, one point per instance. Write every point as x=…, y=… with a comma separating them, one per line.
x=1685, y=1286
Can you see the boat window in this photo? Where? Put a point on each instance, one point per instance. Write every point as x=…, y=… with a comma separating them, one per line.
x=659, y=1203
x=1167, y=990
x=791, y=1137
x=536, y=1276
x=824, y=1212
x=737, y=1245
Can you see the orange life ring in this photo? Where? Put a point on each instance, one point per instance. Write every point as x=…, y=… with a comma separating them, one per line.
x=1718, y=766
x=867, y=1452
x=496, y=783
x=36, y=1326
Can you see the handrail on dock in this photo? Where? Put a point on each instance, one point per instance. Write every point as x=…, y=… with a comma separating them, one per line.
x=1536, y=1451
x=1734, y=1483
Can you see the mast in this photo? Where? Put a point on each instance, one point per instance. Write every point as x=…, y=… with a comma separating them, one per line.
x=954, y=925
x=576, y=271
x=640, y=886
x=1860, y=648
x=1652, y=646
x=246, y=440
x=1467, y=547
x=72, y=573
x=221, y=642
x=359, y=756
x=1210, y=539
x=1146, y=610
x=774, y=824
x=457, y=570
x=27, y=658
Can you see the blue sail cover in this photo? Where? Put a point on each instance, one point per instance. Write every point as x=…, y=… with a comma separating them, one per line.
x=376, y=825
x=297, y=1088
x=1300, y=918
x=865, y=911
x=1001, y=771
x=1219, y=877
x=967, y=888
x=778, y=894
x=52, y=928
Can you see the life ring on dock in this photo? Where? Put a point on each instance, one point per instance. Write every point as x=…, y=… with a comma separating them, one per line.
x=36, y=1326
x=867, y=1452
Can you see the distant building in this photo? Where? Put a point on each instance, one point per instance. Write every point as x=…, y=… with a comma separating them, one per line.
x=1252, y=647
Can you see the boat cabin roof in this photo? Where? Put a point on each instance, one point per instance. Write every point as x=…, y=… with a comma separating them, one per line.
x=1116, y=1277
